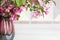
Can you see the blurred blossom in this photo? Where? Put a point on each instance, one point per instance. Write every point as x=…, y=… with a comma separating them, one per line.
x=2, y=8
x=36, y=13
x=10, y=6
x=7, y=10
x=14, y=17
x=44, y=5
x=46, y=12
x=17, y=10
x=3, y=14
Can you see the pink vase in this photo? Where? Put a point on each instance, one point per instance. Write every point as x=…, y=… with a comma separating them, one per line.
x=6, y=29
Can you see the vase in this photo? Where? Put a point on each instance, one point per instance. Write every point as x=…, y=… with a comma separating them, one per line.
x=6, y=29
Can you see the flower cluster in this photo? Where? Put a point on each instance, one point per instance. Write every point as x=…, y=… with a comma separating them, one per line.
x=10, y=12
x=39, y=7
x=11, y=9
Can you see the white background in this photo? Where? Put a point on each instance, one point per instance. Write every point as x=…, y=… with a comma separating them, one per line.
x=57, y=10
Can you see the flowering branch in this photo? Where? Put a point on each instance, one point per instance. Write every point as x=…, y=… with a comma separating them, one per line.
x=12, y=8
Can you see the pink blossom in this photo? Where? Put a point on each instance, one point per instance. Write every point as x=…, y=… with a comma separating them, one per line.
x=7, y=10
x=10, y=6
x=46, y=12
x=17, y=10
x=14, y=17
x=3, y=14
x=2, y=11
x=44, y=5
x=36, y=13
x=2, y=8
x=11, y=18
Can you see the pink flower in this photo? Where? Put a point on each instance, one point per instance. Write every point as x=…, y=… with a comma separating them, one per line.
x=7, y=10
x=14, y=17
x=2, y=8
x=3, y=14
x=17, y=10
x=10, y=6
x=44, y=5
x=36, y=13
x=11, y=18
x=46, y=12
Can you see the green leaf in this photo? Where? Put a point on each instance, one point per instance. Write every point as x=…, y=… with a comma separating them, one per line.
x=30, y=9
x=19, y=2
x=6, y=15
x=42, y=9
x=24, y=1
x=27, y=8
x=47, y=1
x=36, y=6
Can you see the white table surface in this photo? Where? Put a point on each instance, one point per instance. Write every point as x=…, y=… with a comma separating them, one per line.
x=37, y=31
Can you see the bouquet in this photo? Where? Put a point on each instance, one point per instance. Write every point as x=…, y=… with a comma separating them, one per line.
x=11, y=9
